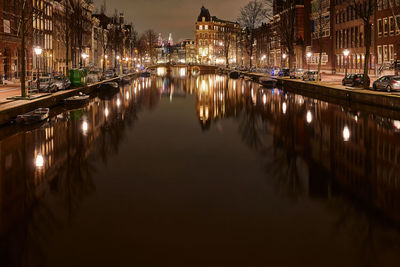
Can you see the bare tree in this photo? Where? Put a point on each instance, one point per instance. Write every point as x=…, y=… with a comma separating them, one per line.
x=147, y=44
x=365, y=11
x=251, y=17
x=115, y=36
x=321, y=19
x=22, y=17
x=287, y=28
x=227, y=45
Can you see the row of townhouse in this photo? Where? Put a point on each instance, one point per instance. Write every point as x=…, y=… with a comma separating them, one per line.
x=68, y=34
x=332, y=26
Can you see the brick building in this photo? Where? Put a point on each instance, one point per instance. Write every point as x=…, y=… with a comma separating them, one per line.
x=349, y=34
x=321, y=35
x=215, y=36
x=10, y=43
x=387, y=34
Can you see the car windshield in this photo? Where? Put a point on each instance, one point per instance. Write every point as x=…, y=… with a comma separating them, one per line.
x=396, y=78
x=44, y=80
x=59, y=78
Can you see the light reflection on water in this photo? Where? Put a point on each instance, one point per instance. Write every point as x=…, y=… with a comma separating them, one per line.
x=308, y=150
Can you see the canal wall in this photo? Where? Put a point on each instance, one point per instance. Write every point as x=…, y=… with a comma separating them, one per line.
x=10, y=110
x=347, y=94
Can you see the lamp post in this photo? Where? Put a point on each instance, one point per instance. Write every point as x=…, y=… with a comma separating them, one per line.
x=84, y=57
x=284, y=60
x=38, y=52
x=346, y=55
x=308, y=60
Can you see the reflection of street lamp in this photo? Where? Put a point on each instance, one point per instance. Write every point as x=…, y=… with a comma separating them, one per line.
x=346, y=55
x=284, y=60
x=308, y=60
x=39, y=161
x=84, y=57
x=38, y=52
x=118, y=59
x=346, y=134
x=309, y=117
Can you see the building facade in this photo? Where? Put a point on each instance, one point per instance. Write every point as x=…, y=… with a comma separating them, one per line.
x=387, y=34
x=10, y=42
x=216, y=39
x=349, y=35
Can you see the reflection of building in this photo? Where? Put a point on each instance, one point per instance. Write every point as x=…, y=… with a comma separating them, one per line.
x=216, y=39
x=359, y=153
x=218, y=97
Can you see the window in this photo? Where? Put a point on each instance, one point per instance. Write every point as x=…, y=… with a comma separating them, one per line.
x=200, y=27
x=379, y=48
x=397, y=26
x=385, y=53
x=379, y=4
x=385, y=26
x=356, y=37
x=385, y=4
x=380, y=28
x=391, y=53
x=206, y=27
x=391, y=25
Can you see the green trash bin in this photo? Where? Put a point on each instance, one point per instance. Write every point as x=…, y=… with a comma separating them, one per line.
x=78, y=77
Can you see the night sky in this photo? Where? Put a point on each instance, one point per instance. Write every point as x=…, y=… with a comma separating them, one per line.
x=175, y=16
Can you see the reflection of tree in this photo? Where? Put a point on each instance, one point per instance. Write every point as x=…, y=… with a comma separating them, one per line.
x=74, y=180
x=68, y=179
x=250, y=126
x=366, y=227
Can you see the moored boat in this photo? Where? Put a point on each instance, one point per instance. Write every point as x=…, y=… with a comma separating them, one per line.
x=267, y=81
x=34, y=116
x=77, y=99
x=234, y=75
x=145, y=74
x=110, y=85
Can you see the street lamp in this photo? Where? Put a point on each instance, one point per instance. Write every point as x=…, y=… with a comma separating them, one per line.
x=346, y=55
x=84, y=57
x=308, y=60
x=38, y=52
x=284, y=60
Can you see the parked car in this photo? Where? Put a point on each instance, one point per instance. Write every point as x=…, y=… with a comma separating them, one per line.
x=388, y=83
x=284, y=73
x=110, y=74
x=275, y=71
x=310, y=75
x=354, y=79
x=46, y=85
x=296, y=74
x=62, y=82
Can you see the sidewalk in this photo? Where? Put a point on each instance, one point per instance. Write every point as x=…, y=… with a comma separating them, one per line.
x=9, y=91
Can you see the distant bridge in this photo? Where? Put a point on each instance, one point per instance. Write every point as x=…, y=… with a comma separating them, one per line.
x=190, y=67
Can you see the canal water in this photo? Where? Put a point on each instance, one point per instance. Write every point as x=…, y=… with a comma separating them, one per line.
x=177, y=170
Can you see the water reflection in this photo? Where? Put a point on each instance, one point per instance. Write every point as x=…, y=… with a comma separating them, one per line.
x=309, y=149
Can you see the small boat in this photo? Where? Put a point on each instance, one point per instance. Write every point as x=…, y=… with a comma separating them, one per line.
x=125, y=79
x=267, y=81
x=77, y=99
x=145, y=74
x=234, y=75
x=34, y=116
x=110, y=85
